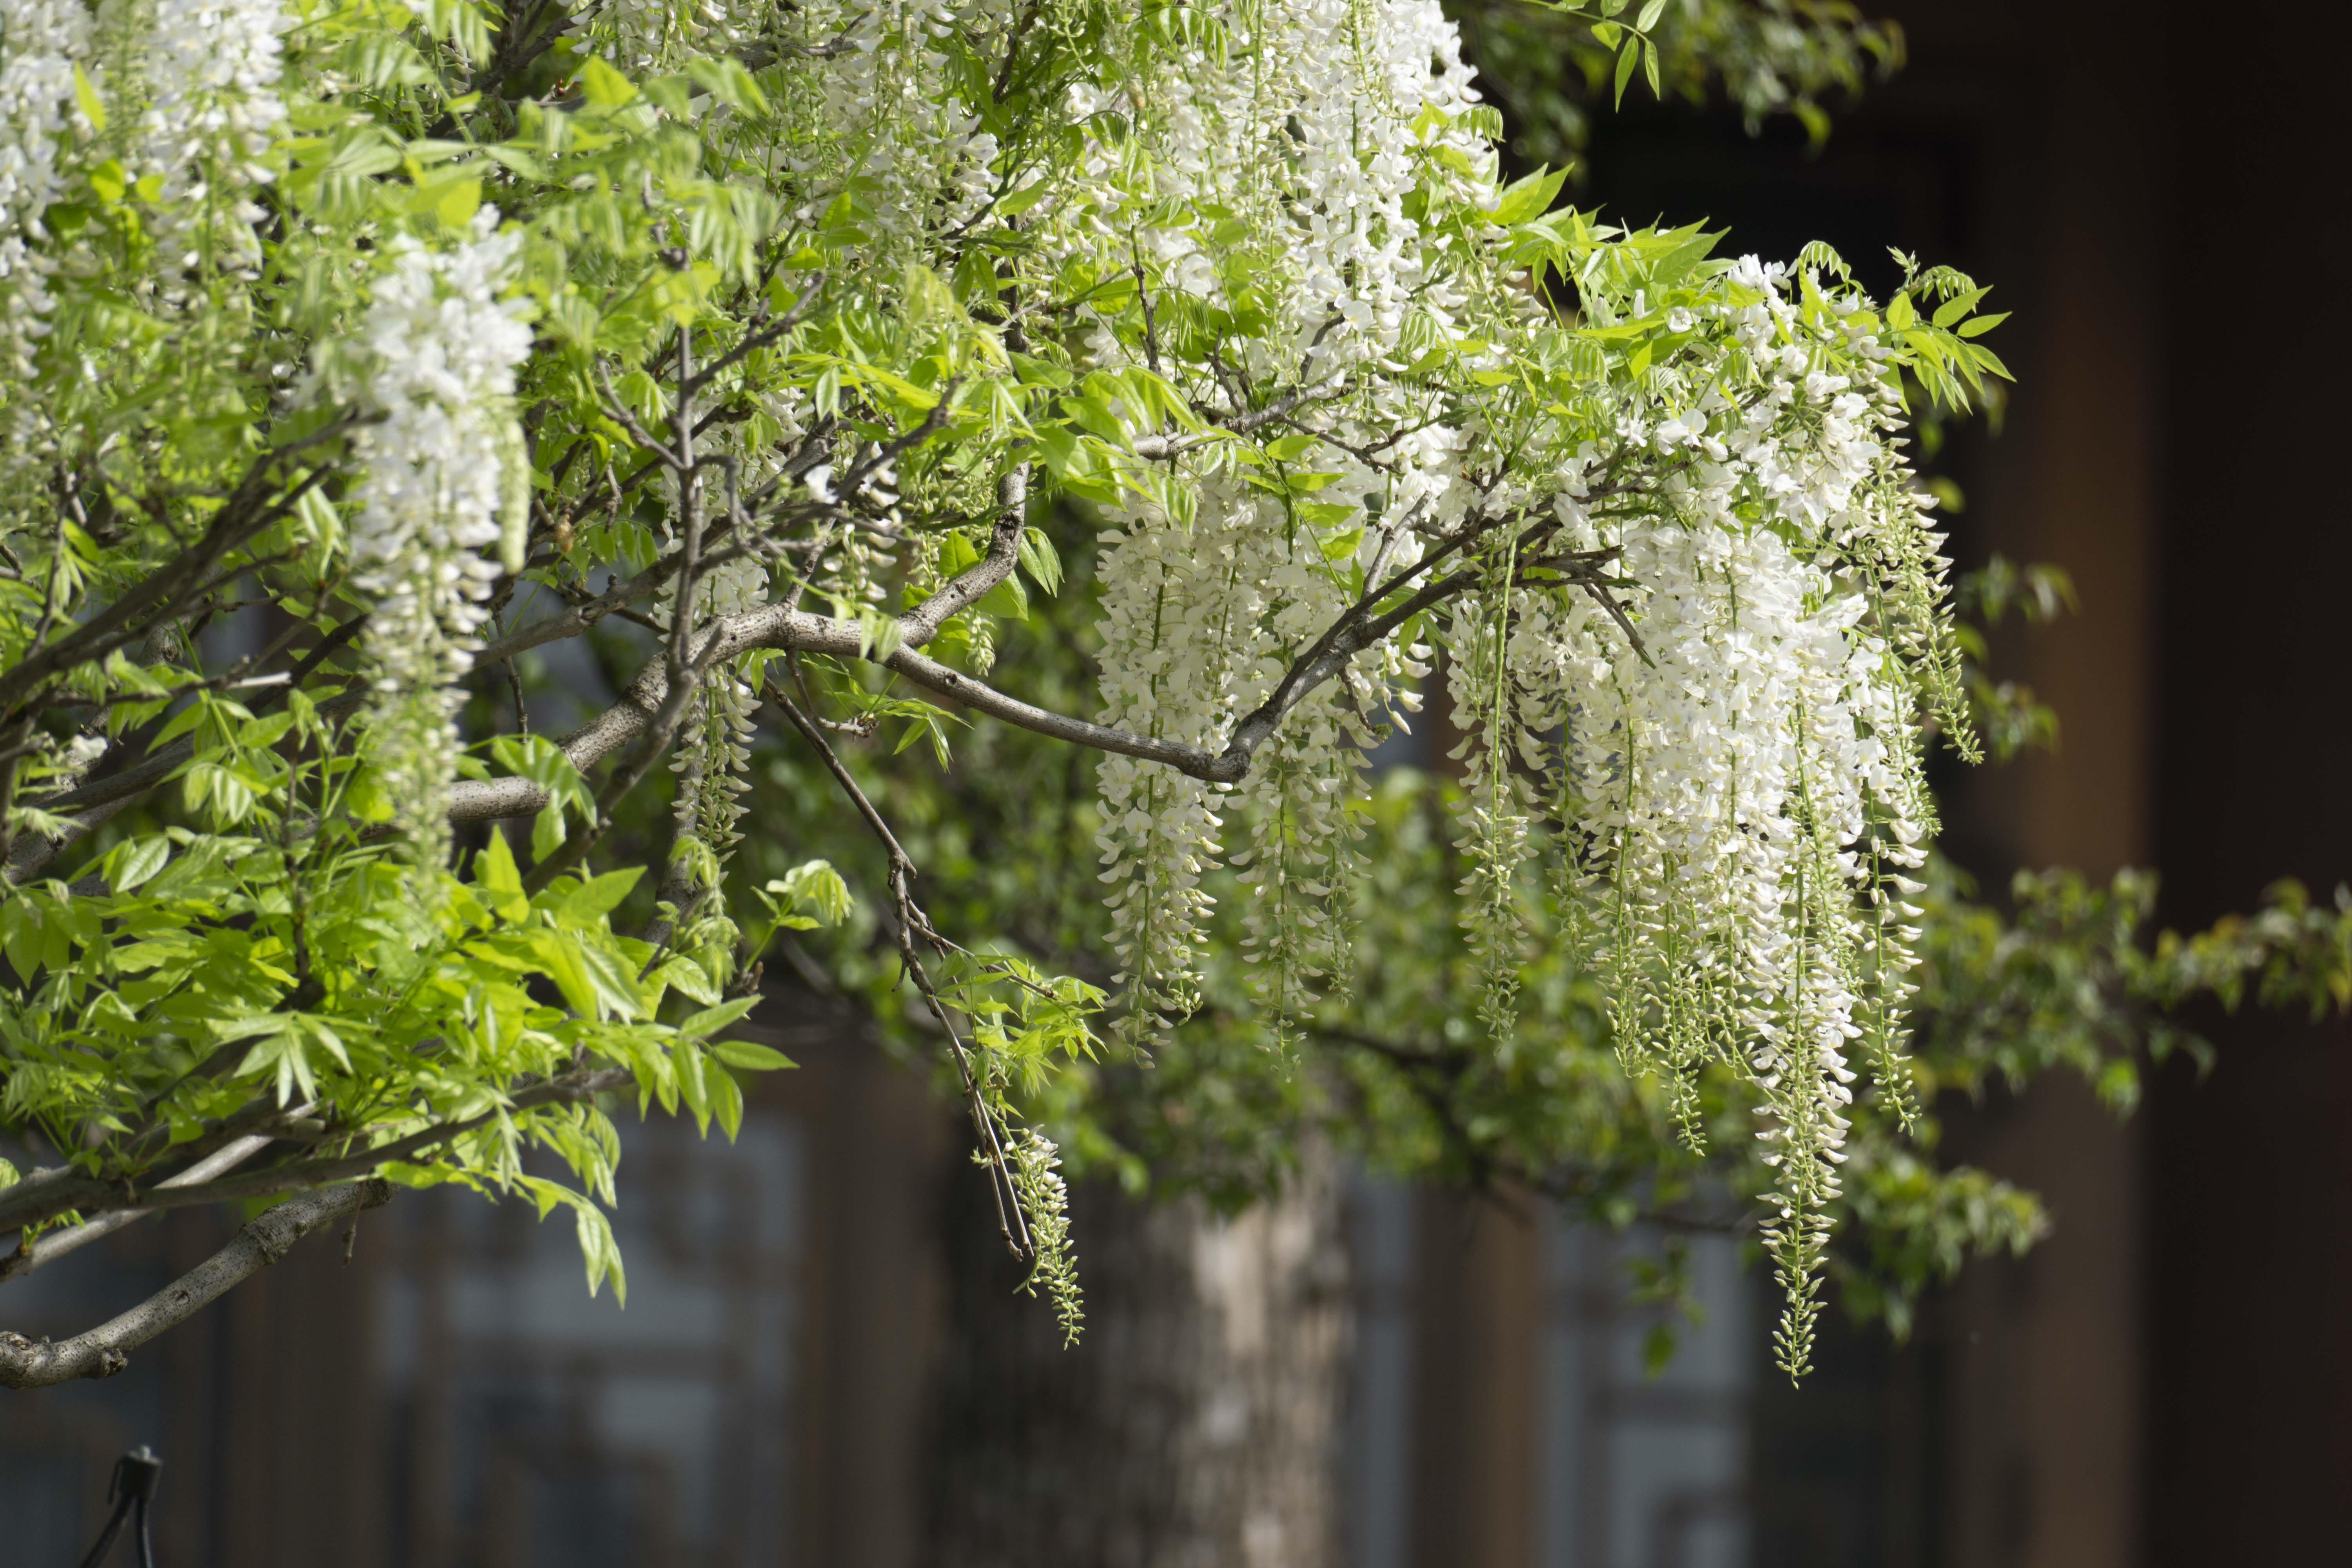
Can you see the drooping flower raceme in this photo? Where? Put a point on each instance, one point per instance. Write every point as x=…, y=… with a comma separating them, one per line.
x=883, y=111
x=1316, y=140
x=443, y=466
x=40, y=41
x=210, y=68
x=1697, y=611
x=715, y=742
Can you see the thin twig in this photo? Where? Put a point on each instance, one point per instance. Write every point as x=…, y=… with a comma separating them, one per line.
x=911, y=922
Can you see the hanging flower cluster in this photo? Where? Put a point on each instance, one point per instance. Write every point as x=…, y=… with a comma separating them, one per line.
x=648, y=36
x=1045, y=1200
x=715, y=742
x=40, y=42
x=438, y=351
x=1312, y=150
x=1186, y=610
x=1741, y=791
x=882, y=113
x=1693, y=626
x=210, y=70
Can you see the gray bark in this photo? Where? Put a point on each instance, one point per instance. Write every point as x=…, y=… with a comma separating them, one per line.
x=106, y=1350
x=1197, y=1422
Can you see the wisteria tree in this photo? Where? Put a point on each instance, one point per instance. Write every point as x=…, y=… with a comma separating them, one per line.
x=778, y=349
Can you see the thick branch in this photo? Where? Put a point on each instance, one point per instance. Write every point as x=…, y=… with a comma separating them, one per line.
x=577, y=618
x=937, y=678
x=922, y=624
x=775, y=626
x=48, y=1248
x=45, y=1195
x=105, y=1350
x=782, y=626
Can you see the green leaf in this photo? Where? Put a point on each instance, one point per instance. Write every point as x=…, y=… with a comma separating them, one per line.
x=454, y=204
x=262, y=732
x=1526, y=199
x=879, y=635
x=598, y=1249
x=559, y=959
x=1625, y=63
x=1960, y=305
x=1657, y=1348
x=725, y=78
x=604, y=87
x=1342, y=546
x=750, y=1057
x=85, y=97
x=1021, y=200
x=813, y=886
x=920, y=399
x=1041, y=560
x=726, y=1102
x=956, y=553
x=1008, y=599
x=693, y=1080
x=132, y=862
x=547, y=832
x=673, y=95
x=713, y=1019
x=601, y=895
x=1990, y=361
x=495, y=874
x=689, y=979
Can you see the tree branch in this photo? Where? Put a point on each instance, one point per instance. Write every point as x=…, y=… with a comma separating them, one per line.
x=1160, y=448
x=58, y=1243
x=102, y=797
x=918, y=625
x=105, y=1350
x=937, y=678
x=242, y=518
x=45, y=1195
x=782, y=626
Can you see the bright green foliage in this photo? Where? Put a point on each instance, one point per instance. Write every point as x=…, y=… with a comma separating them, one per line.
x=280, y=949
x=1189, y=367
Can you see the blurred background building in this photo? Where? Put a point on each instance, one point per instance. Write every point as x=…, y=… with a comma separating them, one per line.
x=2167, y=1381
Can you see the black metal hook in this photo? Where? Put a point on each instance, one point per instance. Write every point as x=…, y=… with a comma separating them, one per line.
x=136, y=1476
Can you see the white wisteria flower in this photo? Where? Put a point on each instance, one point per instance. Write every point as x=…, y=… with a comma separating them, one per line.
x=435, y=362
